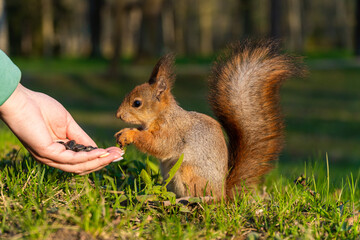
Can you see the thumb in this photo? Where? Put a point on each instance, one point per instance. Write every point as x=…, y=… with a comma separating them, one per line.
x=75, y=132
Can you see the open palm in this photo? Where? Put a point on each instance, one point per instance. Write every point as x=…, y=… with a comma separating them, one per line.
x=39, y=121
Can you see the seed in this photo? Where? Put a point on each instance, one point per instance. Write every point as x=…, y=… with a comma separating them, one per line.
x=72, y=145
x=78, y=147
x=89, y=148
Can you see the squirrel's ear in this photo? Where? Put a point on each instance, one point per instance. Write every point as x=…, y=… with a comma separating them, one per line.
x=162, y=76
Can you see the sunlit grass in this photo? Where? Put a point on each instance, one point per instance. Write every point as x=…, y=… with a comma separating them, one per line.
x=39, y=202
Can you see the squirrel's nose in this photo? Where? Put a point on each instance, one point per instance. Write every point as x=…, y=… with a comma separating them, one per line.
x=118, y=115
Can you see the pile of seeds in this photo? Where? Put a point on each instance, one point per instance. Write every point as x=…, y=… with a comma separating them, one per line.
x=72, y=145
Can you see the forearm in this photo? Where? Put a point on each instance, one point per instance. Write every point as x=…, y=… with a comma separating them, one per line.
x=13, y=102
x=25, y=119
x=142, y=139
x=145, y=141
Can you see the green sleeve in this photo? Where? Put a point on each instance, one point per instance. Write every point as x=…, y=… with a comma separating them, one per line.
x=9, y=77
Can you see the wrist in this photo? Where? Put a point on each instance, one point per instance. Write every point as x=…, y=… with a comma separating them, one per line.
x=14, y=103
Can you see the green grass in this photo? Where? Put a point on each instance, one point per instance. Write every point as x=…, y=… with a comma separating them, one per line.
x=322, y=113
x=39, y=202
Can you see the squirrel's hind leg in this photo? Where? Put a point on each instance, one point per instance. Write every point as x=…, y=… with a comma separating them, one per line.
x=195, y=185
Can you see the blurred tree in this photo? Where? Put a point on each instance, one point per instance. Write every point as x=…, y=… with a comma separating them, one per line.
x=225, y=27
x=132, y=16
x=151, y=38
x=295, y=25
x=357, y=28
x=343, y=31
x=146, y=28
x=205, y=19
x=3, y=27
x=95, y=7
x=47, y=27
x=245, y=10
x=25, y=33
x=180, y=11
x=73, y=33
x=192, y=27
x=168, y=25
x=275, y=18
x=118, y=9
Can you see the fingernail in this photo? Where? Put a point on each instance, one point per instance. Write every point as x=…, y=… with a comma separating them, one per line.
x=104, y=155
x=118, y=159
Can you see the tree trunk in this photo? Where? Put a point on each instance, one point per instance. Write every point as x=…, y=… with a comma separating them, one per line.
x=168, y=25
x=192, y=27
x=131, y=27
x=151, y=30
x=3, y=28
x=275, y=19
x=113, y=70
x=205, y=20
x=341, y=25
x=27, y=38
x=295, y=27
x=180, y=8
x=47, y=27
x=357, y=28
x=95, y=7
x=245, y=12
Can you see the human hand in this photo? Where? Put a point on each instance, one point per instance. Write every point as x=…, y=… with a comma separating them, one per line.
x=39, y=121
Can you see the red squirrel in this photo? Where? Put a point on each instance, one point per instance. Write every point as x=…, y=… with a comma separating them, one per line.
x=244, y=96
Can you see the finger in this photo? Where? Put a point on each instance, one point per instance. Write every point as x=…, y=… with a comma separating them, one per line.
x=111, y=150
x=115, y=149
x=86, y=167
x=57, y=153
x=94, y=170
x=75, y=132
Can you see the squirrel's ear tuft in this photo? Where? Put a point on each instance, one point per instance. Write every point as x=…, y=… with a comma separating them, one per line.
x=162, y=76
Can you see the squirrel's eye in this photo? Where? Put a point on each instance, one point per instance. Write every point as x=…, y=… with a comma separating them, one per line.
x=136, y=103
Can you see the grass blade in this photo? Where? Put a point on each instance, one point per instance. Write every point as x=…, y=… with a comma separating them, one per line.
x=174, y=169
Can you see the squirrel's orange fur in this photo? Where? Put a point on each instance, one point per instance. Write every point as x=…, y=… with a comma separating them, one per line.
x=244, y=95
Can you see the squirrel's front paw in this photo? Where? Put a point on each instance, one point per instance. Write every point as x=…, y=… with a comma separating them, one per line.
x=125, y=136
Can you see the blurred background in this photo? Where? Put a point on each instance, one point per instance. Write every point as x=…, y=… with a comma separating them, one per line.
x=148, y=28
x=89, y=53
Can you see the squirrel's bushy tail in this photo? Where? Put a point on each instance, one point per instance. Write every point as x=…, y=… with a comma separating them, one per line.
x=244, y=95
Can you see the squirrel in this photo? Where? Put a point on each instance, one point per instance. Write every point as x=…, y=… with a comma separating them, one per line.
x=244, y=96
